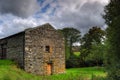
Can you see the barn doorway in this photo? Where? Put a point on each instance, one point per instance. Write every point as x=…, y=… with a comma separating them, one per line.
x=4, y=50
x=3, y=56
x=49, y=68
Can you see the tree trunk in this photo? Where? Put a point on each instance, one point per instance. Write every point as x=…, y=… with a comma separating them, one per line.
x=71, y=52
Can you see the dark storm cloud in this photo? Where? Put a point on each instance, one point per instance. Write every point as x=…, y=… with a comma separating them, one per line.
x=21, y=8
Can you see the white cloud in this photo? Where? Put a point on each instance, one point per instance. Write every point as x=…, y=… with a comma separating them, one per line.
x=13, y=24
x=81, y=14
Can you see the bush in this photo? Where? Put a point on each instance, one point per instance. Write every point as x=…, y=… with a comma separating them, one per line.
x=72, y=62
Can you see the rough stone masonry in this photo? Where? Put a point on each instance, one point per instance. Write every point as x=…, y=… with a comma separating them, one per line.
x=38, y=50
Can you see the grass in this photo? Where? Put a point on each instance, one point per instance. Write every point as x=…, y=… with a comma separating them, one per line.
x=9, y=71
x=77, y=53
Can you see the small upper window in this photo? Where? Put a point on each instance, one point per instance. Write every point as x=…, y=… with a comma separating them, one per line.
x=47, y=48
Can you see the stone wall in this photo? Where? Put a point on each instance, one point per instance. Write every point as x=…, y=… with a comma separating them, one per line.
x=38, y=50
x=36, y=56
x=15, y=48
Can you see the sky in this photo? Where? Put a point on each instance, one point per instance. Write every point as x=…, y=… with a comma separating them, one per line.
x=18, y=15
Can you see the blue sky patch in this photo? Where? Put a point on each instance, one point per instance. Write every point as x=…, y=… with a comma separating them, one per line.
x=43, y=10
x=1, y=21
x=41, y=1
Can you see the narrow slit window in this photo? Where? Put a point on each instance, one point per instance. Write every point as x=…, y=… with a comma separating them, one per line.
x=47, y=48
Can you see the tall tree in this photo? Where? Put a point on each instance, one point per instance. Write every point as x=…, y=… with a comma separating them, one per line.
x=71, y=35
x=95, y=35
x=112, y=18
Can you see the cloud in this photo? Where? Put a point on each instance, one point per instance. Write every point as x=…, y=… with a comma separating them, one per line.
x=22, y=8
x=81, y=14
x=21, y=14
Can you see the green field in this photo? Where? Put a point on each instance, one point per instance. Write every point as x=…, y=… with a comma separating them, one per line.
x=9, y=71
x=77, y=53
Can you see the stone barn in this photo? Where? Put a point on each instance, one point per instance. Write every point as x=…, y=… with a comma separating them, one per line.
x=38, y=50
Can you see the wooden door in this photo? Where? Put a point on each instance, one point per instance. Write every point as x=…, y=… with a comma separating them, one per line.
x=49, y=69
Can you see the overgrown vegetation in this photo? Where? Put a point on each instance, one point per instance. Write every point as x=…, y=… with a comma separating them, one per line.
x=112, y=18
x=9, y=71
x=71, y=35
x=91, y=47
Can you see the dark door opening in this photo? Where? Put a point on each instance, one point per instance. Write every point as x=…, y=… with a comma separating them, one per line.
x=3, y=52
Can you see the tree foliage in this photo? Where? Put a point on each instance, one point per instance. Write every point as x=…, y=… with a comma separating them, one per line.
x=96, y=54
x=94, y=36
x=112, y=18
x=112, y=11
x=71, y=36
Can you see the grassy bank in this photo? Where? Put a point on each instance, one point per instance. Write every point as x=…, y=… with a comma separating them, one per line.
x=77, y=53
x=9, y=71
